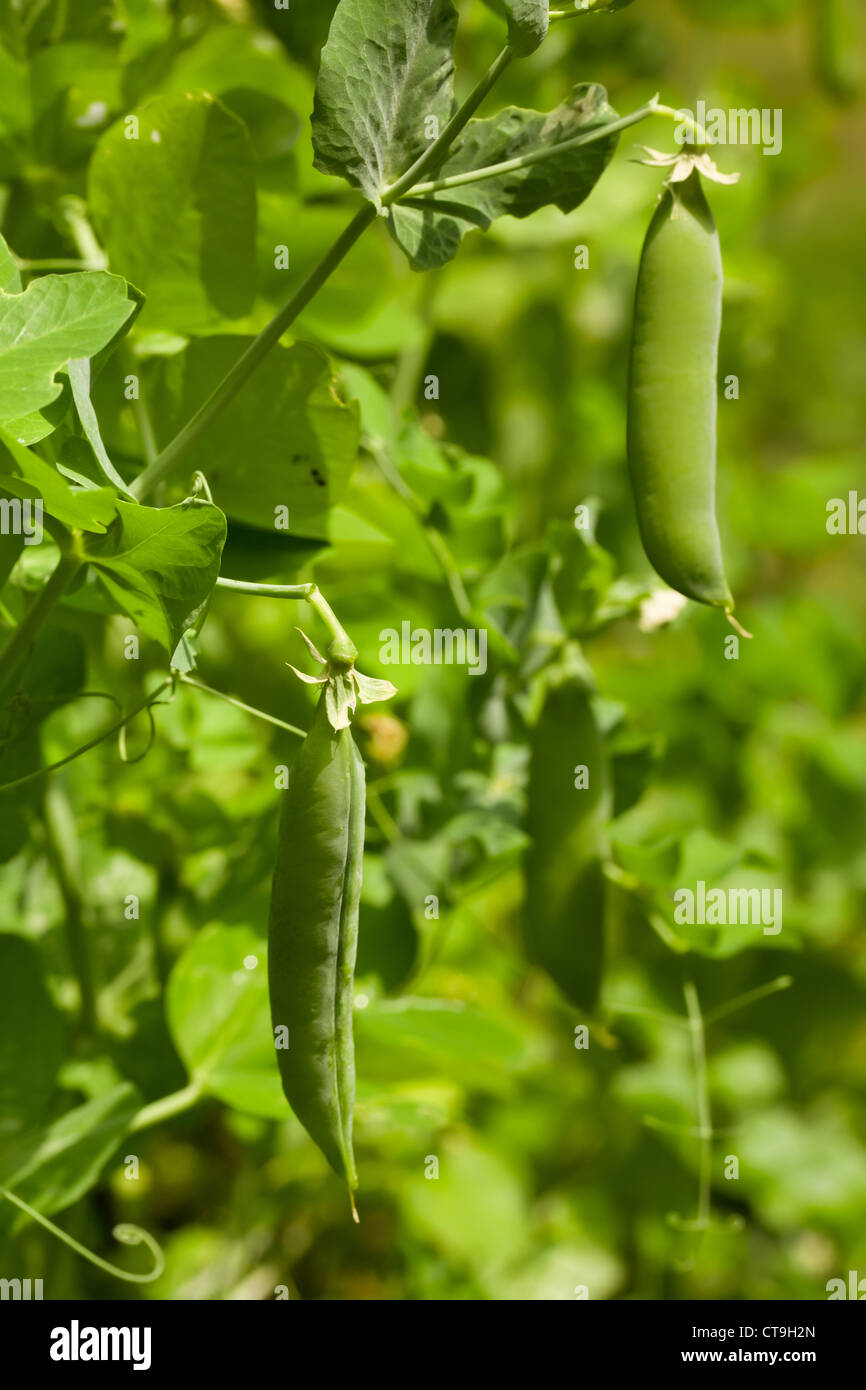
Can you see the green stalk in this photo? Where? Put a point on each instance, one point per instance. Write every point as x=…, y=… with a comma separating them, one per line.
x=458, y=122
x=126, y=1233
x=522, y=161
x=166, y=1107
x=91, y=743
x=239, y=704
x=705, y=1119
x=314, y=597
x=166, y=462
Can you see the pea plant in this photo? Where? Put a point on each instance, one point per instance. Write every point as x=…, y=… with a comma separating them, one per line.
x=181, y=416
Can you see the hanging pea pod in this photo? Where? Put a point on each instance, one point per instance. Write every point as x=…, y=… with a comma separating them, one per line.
x=569, y=805
x=313, y=921
x=313, y=936
x=672, y=394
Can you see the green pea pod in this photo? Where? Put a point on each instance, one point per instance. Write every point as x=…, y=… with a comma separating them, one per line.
x=313, y=935
x=568, y=808
x=672, y=394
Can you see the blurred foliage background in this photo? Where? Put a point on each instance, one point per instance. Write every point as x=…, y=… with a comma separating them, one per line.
x=550, y=1176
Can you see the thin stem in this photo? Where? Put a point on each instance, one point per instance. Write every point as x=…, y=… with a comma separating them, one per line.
x=22, y=640
x=698, y=132
x=742, y=1001
x=62, y=844
x=248, y=586
x=166, y=1107
x=58, y=263
x=91, y=743
x=166, y=462
x=705, y=1119
x=313, y=596
x=74, y=212
x=458, y=122
x=126, y=1233
x=239, y=704
x=510, y=166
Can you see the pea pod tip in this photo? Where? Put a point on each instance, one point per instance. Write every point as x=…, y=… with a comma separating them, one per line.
x=737, y=626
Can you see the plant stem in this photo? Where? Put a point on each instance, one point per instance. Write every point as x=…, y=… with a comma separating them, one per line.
x=166, y=462
x=74, y=212
x=522, y=161
x=697, y=130
x=59, y=263
x=311, y=592
x=91, y=743
x=458, y=122
x=128, y=1234
x=62, y=844
x=239, y=704
x=705, y=1119
x=742, y=1001
x=166, y=1107
x=22, y=640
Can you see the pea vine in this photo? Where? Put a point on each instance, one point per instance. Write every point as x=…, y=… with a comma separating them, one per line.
x=430, y=190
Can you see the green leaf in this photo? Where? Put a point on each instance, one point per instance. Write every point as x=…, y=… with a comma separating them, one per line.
x=57, y=318
x=24, y=474
x=31, y=1041
x=160, y=565
x=527, y=22
x=285, y=440
x=71, y=1154
x=430, y=227
x=219, y=1018
x=79, y=380
x=386, y=72
x=176, y=210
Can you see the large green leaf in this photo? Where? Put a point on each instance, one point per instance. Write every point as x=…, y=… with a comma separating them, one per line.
x=57, y=318
x=385, y=83
x=429, y=228
x=219, y=1017
x=70, y=1155
x=285, y=440
x=176, y=210
x=24, y=474
x=160, y=565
